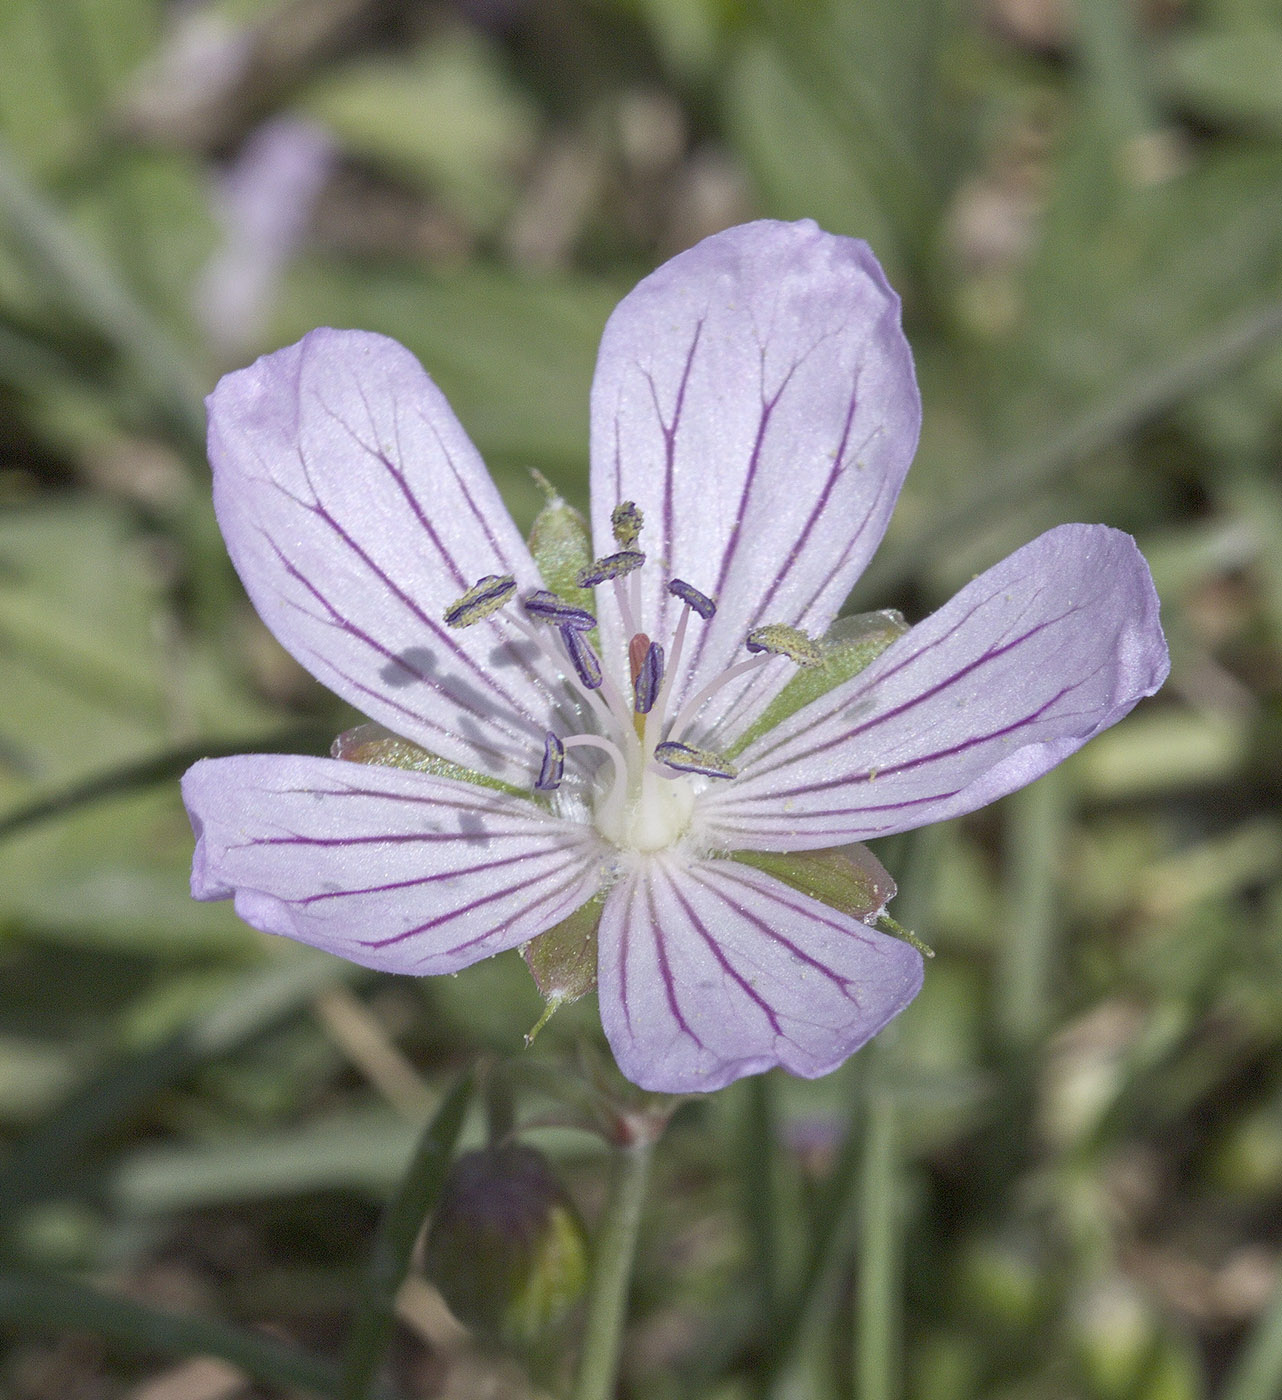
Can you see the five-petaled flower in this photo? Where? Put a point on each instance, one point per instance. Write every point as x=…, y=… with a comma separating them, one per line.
x=609, y=739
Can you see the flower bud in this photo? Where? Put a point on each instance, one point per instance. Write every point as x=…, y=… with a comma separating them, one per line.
x=506, y=1247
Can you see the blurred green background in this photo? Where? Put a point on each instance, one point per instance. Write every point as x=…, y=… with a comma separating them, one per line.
x=1081, y=204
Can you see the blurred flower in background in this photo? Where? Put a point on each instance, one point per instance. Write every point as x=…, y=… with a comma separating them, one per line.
x=263, y=202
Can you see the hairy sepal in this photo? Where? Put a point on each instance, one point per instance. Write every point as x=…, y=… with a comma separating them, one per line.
x=373, y=743
x=561, y=547
x=562, y=961
x=849, y=879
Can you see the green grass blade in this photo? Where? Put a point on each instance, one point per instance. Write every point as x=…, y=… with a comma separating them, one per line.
x=394, y=1243
x=42, y=1164
x=148, y=772
x=87, y=287
x=62, y=1306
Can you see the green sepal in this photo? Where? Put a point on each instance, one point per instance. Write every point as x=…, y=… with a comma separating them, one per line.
x=562, y=960
x=372, y=743
x=562, y=545
x=849, y=879
x=849, y=645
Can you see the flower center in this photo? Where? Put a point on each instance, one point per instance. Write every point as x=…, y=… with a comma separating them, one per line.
x=639, y=771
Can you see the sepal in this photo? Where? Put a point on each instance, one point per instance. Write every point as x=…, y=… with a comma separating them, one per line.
x=847, y=878
x=562, y=961
x=373, y=743
x=562, y=548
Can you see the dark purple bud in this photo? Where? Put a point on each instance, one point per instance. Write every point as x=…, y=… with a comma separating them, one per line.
x=778, y=639
x=506, y=1247
x=483, y=598
x=625, y=523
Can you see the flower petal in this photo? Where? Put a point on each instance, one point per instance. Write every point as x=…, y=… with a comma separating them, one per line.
x=711, y=970
x=394, y=870
x=1018, y=671
x=356, y=511
x=755, y=397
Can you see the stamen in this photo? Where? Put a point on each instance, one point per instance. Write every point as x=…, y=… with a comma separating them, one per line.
x=647, y=677
x=778, y=639
x=584, y=658
x=625, y=523
x=541, y=639
x=691, y=596
x=547, y=607
x=611, y=567
x=623, y=596
x=483, y=598
x=685, y=758
x=700, y=698
x=553, y=769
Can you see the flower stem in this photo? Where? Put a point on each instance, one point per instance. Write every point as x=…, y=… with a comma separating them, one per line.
x=399, y=1228
x=761, y=1194
x=1035, y=819
x=877, y=1278
x=612, y=1271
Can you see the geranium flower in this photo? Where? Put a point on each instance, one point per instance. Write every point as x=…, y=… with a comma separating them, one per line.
x=603, y=738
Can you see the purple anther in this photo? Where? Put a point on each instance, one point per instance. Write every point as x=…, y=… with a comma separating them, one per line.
x=553, y=769
x=547, y=607
x=585, y=659
x=685, y=758
x=611, y=567
x=645, y=688
x=690, y=595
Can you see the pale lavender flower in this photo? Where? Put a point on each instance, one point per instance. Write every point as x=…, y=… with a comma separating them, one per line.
x=753, y=415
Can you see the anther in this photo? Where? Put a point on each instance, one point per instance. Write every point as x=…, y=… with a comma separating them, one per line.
x=647, y=677
x=547, y=607
x=483, y=598
x=553, y=769
x=611, y=567
x=778, y=639
x=690, y=595
x=584, y=658
x=625, y=523
x=685, y=758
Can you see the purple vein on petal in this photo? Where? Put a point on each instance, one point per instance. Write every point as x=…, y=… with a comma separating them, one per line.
x=974, y=741
x=730, y=875
x=665, y=970
x=758, y=768
x=697, y=924
x=670, y=432
x=346, y=625
x=439, y=633
x=417, y=880
x=575, y=862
